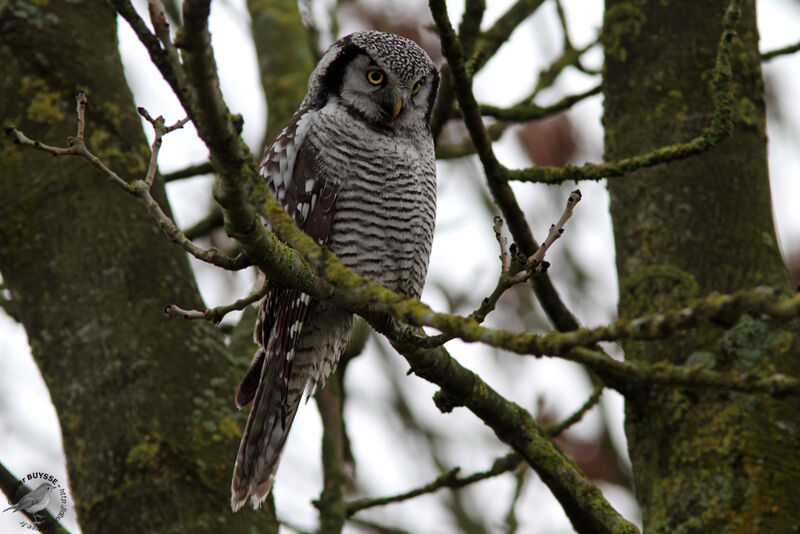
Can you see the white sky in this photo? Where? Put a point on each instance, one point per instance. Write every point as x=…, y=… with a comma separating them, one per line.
x=464, y=255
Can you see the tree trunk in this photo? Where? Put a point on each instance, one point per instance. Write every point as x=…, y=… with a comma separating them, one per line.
x=145, y=402
x=703, y=460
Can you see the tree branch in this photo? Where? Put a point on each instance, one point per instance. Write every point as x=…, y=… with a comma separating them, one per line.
x=493, y=38
x=215, y=315
x=501, y=191
x=449, y=479
x=721, y=128
x=786, y=50
x=558, y=428
x=582, y=501
x=189, y=172
x=137, y=188
x=331, y=503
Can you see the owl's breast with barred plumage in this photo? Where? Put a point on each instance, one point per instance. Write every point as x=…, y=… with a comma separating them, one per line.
x=385, y=208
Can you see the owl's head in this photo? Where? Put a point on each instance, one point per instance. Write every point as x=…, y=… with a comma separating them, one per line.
x=387, y=80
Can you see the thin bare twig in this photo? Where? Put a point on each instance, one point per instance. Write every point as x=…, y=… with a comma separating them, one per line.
x=786, y=50
x=137, y=188
x=519, y=269
x=449, y=479
x=557, y=428
x=215, y=315
x=189, y=172
x=721, y=127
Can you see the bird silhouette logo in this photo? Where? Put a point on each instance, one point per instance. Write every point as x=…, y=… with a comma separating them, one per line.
x=34, y=502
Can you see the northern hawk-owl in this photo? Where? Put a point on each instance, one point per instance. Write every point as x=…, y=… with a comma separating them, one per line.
x=355, y=168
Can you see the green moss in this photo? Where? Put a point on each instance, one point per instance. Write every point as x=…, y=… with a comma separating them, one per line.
x=143, y=454
x=651, y=288
x=43, y=103
x=749, y=343
x=228, y=427
x=622, y=24
x=783, y=342
x=749, y=114
x=703, y=358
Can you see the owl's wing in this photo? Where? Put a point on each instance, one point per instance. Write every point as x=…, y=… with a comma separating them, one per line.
x=294, y=177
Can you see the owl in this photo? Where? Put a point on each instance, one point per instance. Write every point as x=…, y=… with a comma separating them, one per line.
x=355, y=168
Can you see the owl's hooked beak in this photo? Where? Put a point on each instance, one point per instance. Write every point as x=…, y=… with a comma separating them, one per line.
x=392, y=105
x=398, y=107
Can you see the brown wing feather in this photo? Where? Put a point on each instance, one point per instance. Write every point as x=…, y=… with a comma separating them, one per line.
x=309, y=197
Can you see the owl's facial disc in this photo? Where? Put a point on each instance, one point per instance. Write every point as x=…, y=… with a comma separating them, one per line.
x=382, y=98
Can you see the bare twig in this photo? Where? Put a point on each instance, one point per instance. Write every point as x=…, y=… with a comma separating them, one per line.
x=515, y=268
x=786, y=50
x=188, y=172
x=80, y=100
x=556, y=230
x=137, y=188
x=505, y=264
x=557, y=428
x=331, y=503
x=214, y=220
x=215, y=315
x=515, y=272
x=512, y=524
x=449, y=479
x=161, y=130
x=721, y=128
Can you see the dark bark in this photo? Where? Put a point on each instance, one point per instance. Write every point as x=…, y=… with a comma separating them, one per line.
x=145, y=402
x=704, y=461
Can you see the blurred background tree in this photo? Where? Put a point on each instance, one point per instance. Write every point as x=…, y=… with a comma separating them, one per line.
x=144, y=402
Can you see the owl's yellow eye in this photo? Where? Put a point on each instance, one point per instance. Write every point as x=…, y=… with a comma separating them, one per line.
x=415, y=89
x=375, y=77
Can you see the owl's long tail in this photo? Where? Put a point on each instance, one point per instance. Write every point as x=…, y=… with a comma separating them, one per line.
x=276, y=382
x=274, y=407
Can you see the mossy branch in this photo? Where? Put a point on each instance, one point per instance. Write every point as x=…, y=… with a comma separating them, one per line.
x=496, y=180
x=581, y=500
x=721, y=128
x=450, y=479
x=524, y=112
x=493, y=38
x=501, y=465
